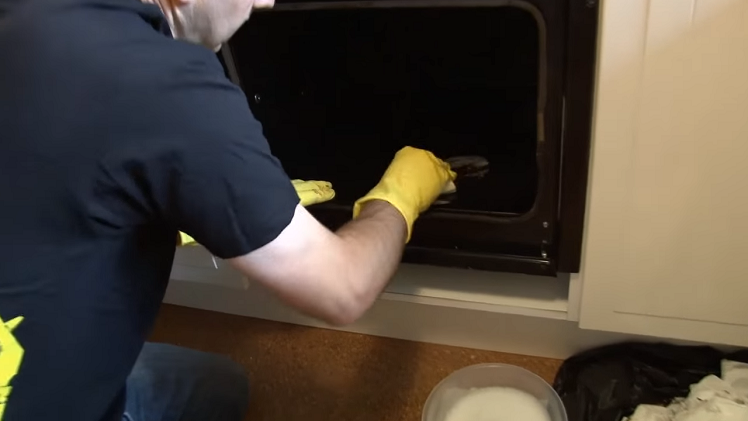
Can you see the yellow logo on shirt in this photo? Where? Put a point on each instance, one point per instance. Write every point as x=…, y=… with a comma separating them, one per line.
x=11, y=354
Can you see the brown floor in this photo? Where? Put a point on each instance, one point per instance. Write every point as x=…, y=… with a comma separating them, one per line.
x=301, y=373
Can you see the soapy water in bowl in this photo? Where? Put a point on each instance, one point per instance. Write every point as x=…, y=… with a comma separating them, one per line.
x=497, y=404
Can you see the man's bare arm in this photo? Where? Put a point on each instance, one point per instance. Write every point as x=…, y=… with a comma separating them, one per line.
x=337, y=276
x=334, y=277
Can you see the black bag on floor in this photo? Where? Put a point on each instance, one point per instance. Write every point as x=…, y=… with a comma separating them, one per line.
x=608, y=383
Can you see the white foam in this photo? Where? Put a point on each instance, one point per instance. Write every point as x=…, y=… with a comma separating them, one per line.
x=497, y=404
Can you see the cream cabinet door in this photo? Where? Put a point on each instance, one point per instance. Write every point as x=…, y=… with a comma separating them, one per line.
x=666, y=247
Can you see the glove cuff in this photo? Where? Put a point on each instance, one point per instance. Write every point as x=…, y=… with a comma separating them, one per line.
x=407, y=214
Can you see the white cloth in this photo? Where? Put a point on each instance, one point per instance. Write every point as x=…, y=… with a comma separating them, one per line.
x=711, y=399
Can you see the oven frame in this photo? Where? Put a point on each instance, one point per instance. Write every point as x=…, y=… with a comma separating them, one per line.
x=547, y=239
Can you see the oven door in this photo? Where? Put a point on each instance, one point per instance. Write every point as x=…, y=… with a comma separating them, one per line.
x=340, y=86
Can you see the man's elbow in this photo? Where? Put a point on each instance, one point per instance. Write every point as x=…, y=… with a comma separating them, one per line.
x=349, y=309
x=344, y=316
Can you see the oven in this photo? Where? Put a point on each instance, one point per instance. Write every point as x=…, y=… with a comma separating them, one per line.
x=339, y=86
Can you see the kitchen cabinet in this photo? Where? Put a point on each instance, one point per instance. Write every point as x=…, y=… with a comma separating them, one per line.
x=667, y=227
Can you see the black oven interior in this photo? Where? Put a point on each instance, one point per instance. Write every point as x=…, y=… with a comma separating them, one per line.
x=340, y=86
x=340, y=91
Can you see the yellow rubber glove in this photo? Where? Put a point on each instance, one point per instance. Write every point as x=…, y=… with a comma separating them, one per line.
x=414, y=179
x=313, y=191
x=310, y=193
x=185, y=240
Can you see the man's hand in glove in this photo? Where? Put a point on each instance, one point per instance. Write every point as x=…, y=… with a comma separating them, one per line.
x=312, y=192
x=414, y=179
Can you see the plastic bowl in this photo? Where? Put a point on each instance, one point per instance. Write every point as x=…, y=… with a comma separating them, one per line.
x=459, y=383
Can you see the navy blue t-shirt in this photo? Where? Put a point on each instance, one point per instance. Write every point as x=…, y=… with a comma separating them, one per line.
x=113, y=136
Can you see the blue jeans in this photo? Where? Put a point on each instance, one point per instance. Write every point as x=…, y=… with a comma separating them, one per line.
x=170, y=383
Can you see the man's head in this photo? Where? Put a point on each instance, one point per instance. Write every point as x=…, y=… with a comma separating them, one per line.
x=208, y=22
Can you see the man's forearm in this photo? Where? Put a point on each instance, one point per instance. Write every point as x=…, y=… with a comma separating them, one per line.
x=374, y=245
x=331, y=276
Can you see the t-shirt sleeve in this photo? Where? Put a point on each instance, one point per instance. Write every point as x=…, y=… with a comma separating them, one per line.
x=232, y=200
x=205, y=167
